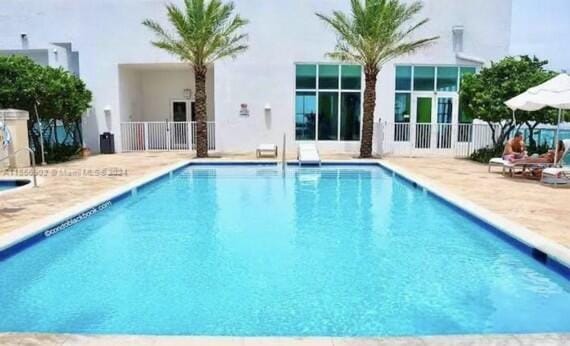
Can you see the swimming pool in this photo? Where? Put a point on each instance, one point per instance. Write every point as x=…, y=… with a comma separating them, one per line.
x=11, y=184
x=244, y=251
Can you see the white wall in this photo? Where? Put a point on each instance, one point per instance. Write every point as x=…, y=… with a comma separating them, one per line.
x=292, y=33
x=108, y=33
x=146, y=91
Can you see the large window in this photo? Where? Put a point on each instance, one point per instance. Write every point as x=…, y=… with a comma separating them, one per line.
x=328, y=102
x=305, y=115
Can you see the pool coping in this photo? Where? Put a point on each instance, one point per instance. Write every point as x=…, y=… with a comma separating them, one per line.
x=436, y=340
x=36, y=228
x=29, y=185
x=515, y=231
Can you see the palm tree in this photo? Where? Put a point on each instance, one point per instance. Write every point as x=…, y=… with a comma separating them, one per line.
x=204, y=32
x=375, y=32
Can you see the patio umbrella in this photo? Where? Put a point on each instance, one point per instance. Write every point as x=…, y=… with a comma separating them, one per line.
x=553, y=93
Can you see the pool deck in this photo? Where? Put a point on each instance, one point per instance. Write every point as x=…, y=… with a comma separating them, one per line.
x=63, y=187
x=70, y=340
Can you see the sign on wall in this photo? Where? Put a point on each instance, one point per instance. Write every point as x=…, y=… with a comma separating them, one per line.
x=244, y=111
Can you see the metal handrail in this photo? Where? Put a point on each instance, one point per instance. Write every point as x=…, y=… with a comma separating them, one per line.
x=32, y=158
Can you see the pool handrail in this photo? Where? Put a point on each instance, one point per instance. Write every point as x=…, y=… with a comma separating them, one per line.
x=32, y=157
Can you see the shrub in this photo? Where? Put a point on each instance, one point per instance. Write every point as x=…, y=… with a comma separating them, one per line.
x=58, y=96
x=485, y=154
x=61, y=152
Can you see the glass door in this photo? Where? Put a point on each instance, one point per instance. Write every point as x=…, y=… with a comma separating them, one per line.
x=179, y=128
x=445, y=107
x=423, y=118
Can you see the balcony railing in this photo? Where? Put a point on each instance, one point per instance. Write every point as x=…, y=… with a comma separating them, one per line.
x=163, y=136
x=421, y=139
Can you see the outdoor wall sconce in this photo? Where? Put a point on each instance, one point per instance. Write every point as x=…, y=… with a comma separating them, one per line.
x=188, y=94
x=108, y=119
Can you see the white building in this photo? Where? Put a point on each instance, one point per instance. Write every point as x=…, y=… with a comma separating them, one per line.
x=278, y=86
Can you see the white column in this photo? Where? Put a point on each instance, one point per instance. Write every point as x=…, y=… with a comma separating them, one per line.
x=17, y=123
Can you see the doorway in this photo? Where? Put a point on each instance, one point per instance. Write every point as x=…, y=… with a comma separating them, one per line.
x=180, y=115
x=434, y=116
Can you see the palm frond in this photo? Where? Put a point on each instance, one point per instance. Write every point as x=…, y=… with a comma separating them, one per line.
x=376, y=31
x=203, y=32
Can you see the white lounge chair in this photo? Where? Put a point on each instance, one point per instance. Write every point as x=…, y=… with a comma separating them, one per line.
x=307, y=154
x=559, y=175
x=497, y=162
x=556, y=176
x=266, y=149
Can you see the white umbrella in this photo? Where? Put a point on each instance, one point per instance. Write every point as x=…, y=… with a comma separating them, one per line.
x=554, y=93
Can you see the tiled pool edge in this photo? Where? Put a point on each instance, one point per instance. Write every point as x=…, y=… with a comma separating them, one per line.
x=514, y=231
x=20, y=238
x=119, y=340
x=29, y=185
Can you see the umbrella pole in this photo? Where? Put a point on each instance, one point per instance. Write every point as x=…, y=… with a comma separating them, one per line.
x=556, y=137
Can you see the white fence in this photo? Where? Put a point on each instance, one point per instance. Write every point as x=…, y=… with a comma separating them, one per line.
x=163, y=136
x=424, y=139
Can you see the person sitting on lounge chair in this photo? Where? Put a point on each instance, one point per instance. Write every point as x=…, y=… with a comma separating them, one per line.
x=547, y=158
x=514, y=149
x=538, y=164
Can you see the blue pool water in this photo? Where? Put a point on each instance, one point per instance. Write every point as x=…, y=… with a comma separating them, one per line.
x=10, y=184
x=240, y=250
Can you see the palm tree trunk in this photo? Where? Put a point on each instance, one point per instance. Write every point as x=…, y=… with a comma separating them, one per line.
x=370, y=76
x=201, y=113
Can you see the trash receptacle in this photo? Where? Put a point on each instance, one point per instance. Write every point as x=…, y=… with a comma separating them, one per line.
x=107, y=143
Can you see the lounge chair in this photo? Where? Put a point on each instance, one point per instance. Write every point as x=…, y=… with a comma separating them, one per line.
x=497, y=162
x=559, y=175
x=513, y=167
x=556, y=176
x=266, y=149
x=307, y=154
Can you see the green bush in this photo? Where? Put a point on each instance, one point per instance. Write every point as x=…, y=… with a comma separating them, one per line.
x=61, y=152
x=485, y=154
x=59, y=98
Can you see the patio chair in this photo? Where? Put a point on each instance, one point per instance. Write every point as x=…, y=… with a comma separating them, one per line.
x=559, y=175
x=266, y=149
x=497, y=162
x=307, y=154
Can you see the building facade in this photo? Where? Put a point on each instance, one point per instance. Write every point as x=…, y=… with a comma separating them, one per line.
x=283, y=84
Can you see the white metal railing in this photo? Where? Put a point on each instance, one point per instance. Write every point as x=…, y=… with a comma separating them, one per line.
x=410, y=139
x=163, y=136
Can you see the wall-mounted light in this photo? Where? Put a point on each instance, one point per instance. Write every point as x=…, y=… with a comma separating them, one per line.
x=188, y=94
x=108, y=118
x=24, y=40
x=457, y=31
x=268, y=107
